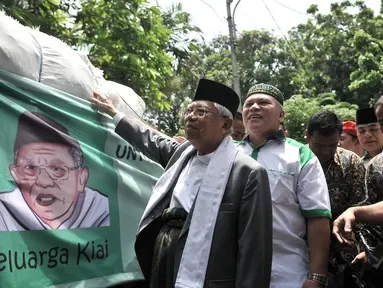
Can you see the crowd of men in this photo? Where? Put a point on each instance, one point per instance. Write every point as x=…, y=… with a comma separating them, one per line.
x=242, y=205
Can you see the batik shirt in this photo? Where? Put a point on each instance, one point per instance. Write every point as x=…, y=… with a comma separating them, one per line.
x=374, y=179
x=373, y=234
x=298, y=191
x=366, y=159
x=345, y=180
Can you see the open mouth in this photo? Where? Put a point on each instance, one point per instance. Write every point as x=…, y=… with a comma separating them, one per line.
x=46, y=199
x=255, y=117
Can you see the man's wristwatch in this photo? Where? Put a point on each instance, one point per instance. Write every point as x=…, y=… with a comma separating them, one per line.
x=321, y=279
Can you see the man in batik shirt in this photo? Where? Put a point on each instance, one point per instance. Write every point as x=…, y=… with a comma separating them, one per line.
x=344, y=172
x=374, y=177
x=372, y=234
x=369, y=133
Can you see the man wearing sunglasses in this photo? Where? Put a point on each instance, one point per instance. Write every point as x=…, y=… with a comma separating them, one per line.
x=51, y=181
x=208, y=221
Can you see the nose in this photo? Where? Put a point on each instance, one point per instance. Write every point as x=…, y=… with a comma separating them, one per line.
x=190, y=117
x=254, y=107
x=44, y=180
x=367, y=134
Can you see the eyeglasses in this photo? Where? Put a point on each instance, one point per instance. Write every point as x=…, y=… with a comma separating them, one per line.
x=199, y=112
x=54, y=172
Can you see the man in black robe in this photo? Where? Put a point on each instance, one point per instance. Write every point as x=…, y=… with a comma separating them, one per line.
x=209, y=220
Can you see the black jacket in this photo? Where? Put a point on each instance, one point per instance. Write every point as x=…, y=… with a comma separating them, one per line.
x=241, y=251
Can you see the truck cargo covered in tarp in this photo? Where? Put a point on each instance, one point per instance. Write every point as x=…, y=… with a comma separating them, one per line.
x=48, y=60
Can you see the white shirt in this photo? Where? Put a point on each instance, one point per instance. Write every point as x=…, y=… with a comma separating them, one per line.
x=190, y=181
x=298, y=191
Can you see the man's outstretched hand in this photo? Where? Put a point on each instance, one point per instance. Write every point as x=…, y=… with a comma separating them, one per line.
x=342, y=228
x=103, y=104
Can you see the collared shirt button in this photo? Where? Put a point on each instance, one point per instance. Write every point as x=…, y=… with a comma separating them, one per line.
x=153, y=216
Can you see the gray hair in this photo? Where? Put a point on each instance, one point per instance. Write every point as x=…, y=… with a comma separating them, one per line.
x=222, y=110
x=77, y=155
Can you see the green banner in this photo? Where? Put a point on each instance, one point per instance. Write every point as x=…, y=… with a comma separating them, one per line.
x=72, y=191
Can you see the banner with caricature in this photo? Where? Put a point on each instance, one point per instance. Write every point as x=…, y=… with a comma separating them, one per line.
x=71, y=191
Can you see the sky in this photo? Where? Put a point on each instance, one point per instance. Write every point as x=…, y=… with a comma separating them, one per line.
x=251, y=14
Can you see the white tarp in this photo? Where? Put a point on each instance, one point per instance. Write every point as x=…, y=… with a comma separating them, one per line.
x=48, y=60
x=19, y=51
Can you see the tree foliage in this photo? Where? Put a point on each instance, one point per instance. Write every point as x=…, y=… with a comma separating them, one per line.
x=51, y=16
x=262, y=58
x=333, y=61
x=185, y=46
x=299, y=109
x=136, y=44
x=341, y=52
x=128, y=41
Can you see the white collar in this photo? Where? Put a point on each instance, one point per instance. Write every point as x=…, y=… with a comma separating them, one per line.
x=205, y=159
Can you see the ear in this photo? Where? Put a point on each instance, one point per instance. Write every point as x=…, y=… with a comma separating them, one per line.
x=307, y=136
x=83, y=179
x=12, y=170
x=228, y=123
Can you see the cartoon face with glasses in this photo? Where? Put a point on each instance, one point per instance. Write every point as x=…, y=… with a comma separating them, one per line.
x=51, y=178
